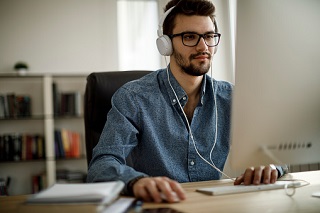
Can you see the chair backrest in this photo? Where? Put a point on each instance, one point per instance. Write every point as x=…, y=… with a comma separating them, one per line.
x=97, y=102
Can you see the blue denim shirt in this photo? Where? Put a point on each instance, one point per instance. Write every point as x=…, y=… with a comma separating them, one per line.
x=146, y=133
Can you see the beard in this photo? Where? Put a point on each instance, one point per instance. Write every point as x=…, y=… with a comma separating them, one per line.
x=190, y=68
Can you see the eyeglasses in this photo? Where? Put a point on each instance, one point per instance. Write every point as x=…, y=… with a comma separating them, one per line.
x=192, y=39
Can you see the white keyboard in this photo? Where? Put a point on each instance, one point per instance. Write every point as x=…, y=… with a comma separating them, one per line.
x=223, y=190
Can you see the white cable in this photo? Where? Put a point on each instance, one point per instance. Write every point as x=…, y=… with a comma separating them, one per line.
x=189, y=128
x=287, y=191
x=216, y=112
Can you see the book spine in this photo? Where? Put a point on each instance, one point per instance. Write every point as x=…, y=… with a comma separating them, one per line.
x=2, y=106
x=21, y=147
x=12, y=105
x=2, y=149
x=67, y=103
x=59, y=144
x=8, y=147
x=67, y=143
x=56, y=99
x=17, y=146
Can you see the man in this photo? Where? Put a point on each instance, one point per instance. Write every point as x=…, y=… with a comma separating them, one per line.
x=161, y=130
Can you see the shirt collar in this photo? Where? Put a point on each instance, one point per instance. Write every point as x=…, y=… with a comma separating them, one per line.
x=203, y=88
x=181, y=94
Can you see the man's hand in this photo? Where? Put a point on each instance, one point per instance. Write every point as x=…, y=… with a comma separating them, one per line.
x=262, y=174
x=150, y=188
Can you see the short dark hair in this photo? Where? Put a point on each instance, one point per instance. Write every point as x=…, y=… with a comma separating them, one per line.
x=189, y=8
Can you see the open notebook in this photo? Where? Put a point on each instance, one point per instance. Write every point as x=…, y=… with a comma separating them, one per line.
x=104, y=192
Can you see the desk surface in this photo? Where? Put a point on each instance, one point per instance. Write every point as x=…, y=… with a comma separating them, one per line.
x=265, y=201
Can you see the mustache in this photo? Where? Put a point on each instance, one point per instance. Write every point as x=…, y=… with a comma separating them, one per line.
x=192, y=56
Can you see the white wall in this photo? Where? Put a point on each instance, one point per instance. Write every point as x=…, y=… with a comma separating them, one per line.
x=137, y=34
x=80, y=36
x=59, y=35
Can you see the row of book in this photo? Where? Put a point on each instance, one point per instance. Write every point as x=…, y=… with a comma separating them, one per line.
x=13, y=105
x=21, y=147
x=67, y=103
x=67, y=143
x=64, y=104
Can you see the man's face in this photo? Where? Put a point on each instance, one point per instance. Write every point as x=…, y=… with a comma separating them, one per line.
x=195, y=60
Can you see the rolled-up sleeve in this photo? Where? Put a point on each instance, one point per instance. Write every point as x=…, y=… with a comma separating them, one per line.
x=118, y=138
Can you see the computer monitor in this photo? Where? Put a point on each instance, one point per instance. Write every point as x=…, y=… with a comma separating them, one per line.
x=276, y=100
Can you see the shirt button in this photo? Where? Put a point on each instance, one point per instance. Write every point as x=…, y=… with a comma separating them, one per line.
x=192, y=163
x=174, y=100
x=184, y=98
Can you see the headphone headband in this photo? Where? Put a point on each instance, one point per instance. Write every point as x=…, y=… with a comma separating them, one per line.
x=160, y=31
x=164, y=43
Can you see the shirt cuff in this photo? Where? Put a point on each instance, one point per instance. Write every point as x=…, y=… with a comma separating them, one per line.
x=282, y=170
x=129, y=187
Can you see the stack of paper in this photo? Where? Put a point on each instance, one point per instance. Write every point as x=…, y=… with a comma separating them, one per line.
x=104, y=192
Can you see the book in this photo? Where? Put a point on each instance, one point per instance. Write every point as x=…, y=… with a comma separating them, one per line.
x=66, y=142
x=40, y=148
x=75, y=145
x=103, y=192
x=2, y=106
x=58, y=144
x=56, y=99
x=29, y=147
x=17, y=146
x=8, y=147
x=23, y=106
x=39, y=182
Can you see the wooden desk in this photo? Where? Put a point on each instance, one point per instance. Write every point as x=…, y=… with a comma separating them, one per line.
x=266, y=201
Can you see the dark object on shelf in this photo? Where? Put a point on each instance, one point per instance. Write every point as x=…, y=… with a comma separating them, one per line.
x=4, y=185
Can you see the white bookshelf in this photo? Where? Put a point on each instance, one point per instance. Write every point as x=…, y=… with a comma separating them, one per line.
x=42, y=121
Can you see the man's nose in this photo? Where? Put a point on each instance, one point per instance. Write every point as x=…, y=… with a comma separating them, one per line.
x=202, y=45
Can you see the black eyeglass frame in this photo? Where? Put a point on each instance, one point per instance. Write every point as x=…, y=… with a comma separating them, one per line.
x=200, y=36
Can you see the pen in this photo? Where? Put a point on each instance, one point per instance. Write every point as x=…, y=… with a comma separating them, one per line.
x=121, y=205
x=136, y=207
x=105, y=202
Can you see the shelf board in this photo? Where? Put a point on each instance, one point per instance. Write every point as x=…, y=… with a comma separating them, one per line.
x=82, y=157
x=33, y=117
x=68, y=116
x=41, y=117
x=23, y=161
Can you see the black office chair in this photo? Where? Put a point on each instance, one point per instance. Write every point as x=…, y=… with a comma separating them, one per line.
x=97, y=102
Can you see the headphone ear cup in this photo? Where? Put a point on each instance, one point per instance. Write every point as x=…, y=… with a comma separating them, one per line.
x=164, y=45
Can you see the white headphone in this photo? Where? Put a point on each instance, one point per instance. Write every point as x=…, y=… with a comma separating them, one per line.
x=164, y=43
